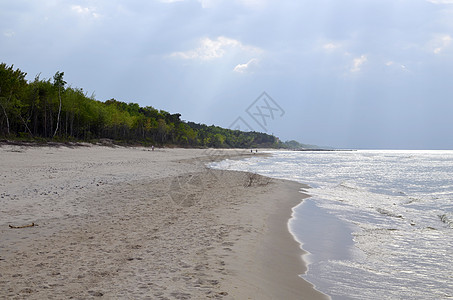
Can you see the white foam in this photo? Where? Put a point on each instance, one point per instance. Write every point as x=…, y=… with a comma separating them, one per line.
x=400, y=203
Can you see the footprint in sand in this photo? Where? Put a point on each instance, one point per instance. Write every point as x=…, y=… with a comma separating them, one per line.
x=186, y=190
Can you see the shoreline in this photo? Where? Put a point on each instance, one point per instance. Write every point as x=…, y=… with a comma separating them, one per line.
x=132, y=223
x=329, y=239
x=269, y=267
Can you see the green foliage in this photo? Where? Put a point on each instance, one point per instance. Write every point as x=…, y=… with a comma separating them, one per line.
x=45, y=110
x=58, y=81
x=295, y=145
x=12, y=87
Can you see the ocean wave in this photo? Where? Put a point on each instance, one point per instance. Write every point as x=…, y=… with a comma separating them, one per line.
x=398, y=204
x=347, y=185
x=412, y=200
x=388, y=213
x=446, y=219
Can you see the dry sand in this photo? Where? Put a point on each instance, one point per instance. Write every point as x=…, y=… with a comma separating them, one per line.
x=129, y=223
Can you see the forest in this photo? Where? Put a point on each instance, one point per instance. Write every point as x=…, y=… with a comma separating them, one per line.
x=48, y=110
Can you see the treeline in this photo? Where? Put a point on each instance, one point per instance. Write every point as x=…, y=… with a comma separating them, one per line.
x=295, y=145
x=49, y=110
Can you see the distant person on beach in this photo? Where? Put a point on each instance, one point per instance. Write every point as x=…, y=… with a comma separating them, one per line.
x=152, y=147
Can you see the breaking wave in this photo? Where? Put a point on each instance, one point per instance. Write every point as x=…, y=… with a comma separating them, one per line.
x=446, y=219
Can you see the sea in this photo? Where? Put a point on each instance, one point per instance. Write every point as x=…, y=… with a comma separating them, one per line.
x=378, y=224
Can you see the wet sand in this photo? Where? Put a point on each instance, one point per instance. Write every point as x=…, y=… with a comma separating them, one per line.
x=137, y=224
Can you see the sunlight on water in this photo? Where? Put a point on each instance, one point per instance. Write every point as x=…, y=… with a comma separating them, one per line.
x=399, y=206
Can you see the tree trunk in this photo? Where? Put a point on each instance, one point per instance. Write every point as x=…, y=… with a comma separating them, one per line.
x=6, y=114
x=25, y=124
x=7, y=119
x=59, y=112
x=45, y=117
x=71, y=132
x=66, y=123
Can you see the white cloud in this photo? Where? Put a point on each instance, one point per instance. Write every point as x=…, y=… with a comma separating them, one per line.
x=440, y=43
x=253, y=3
x=204, y=3
x=441, y=1
x=212, y=49
x=331, y=46
x=247, y=67
x=9, y=33
x=358, y=62
x=395, y=65
x=87, y=11
x=212, y=3
x=207, y=3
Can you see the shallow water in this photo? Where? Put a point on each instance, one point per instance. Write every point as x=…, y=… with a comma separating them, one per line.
x=380, y=222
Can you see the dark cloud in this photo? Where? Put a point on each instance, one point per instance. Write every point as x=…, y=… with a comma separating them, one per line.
x=348, y=73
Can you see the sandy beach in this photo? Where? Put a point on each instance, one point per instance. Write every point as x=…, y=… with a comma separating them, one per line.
x=130, y=223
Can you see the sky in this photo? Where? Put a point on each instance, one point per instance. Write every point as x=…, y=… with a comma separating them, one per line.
x=367, y=74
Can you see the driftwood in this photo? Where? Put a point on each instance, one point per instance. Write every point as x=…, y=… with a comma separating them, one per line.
x=25, y=226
